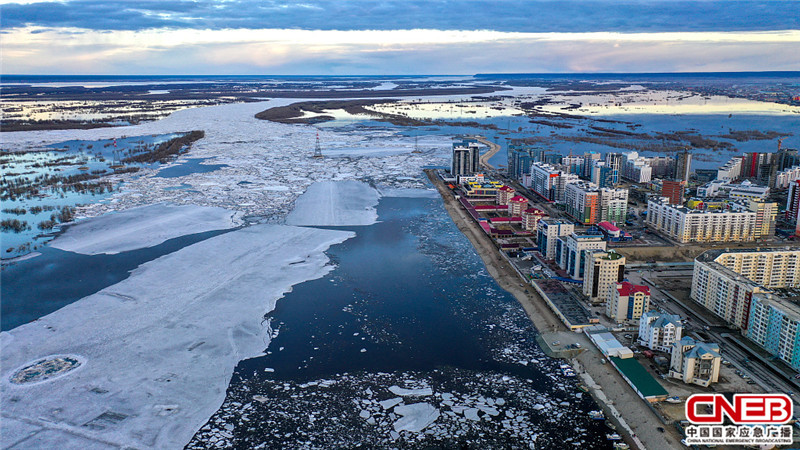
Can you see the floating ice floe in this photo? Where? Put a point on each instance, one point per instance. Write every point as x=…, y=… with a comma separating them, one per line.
x=416, y=417
x=141, y=227
x=422, y=392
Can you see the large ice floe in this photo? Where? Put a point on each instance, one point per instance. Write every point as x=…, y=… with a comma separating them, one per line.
x=141, y=227
x=157, y=350
x=335, y=203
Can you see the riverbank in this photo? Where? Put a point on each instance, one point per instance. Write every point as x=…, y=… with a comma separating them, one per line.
x=633, y=416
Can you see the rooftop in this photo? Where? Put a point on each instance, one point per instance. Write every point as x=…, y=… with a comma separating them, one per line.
x=639, y=377
x=626, y=288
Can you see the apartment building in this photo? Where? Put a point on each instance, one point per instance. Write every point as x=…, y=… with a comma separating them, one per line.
x=574, y=249
x=659, y=331
x=628, y=302
x=602, y=270
x=695, y=362
x=737, y=223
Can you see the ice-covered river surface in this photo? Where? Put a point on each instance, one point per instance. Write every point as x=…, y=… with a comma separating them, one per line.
x=135, y=346
x=408, y=317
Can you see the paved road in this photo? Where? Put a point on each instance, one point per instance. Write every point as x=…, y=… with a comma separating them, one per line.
x=493, y=149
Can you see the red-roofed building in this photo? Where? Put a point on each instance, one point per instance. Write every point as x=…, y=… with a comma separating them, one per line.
x=504, y=195
x=628, y=302
x=516, y=205
x=530, y=218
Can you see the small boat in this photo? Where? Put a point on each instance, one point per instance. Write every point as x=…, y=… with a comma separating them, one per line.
x=613, y=437
x=597, y=415
x=583, y=388
x=621, y=445
x=673, y=399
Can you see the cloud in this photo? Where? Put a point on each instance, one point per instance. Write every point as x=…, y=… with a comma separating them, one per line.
x=499, y=15
x=414, y=51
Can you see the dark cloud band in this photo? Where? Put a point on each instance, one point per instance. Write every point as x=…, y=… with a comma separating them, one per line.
x=510, y=16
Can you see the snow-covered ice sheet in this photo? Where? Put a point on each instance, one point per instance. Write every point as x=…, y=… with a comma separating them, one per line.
x=141, y=227
x=408, y=192
x=159, y=347
x=335, y=203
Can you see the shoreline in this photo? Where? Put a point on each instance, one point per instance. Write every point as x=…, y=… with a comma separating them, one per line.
x=629, y=412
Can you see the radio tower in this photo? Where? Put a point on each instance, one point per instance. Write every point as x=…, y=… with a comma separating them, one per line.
x=317, y=149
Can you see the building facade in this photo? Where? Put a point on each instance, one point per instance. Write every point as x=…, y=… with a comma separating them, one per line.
x=695, y=362
x=531, y=217
x=775, y=326
x=466, y=159
x=737, y=223
x=603, y=269
x=574, y=250
x=549, y=230
x=725, y=281
x=659, y=331
x=628, y=302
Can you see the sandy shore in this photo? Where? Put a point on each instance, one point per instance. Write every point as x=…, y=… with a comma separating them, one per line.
x=634, y=418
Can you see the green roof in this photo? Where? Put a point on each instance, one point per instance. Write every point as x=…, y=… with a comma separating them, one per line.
x=638, y=375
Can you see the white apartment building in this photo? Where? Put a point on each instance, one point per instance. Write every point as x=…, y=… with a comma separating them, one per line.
x=601, y=272
x=785, y=177
x=695, y=362
x=737, y=224
x=659, y=331
x=732, y=170
x=574, y=250
x=550, y=182
x=548, y=232
x=725, y=281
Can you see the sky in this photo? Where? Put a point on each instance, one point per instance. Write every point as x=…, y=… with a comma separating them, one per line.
x=397, y=37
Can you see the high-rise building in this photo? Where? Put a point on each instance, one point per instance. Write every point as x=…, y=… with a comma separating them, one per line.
x=589, y=159
x=548, y=233
x=758, y=166
x=519, y=160
x=725, y=281
x=582, y=200
x=775, y=325
x=673, y=190
x=683, y=166
x=628, y=302
x=793, y=201
x=550, y=182
x=663, y=167
x=695, y=362
x=732, y=170
x=614, y=162
x=603, y=269
x=466, y=159
x=574, y=249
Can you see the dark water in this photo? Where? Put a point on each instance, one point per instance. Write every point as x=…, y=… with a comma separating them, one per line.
x=410, y=301
x=190, y=166
x=38, y=286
